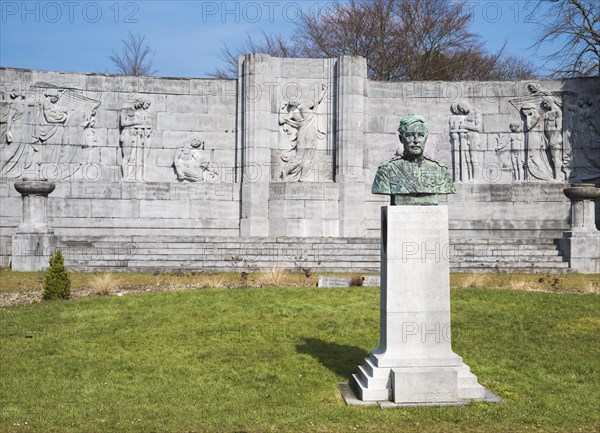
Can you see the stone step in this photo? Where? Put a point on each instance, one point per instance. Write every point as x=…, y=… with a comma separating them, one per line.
x=177, y=255
x=372, y=381
x=502, y=241
x=509, y=264
x=372, y=370
x=224, y=239
x=466, y=378
x=510, y=256
x=348, y=267
x=191, y=239
x=471, y=392
x=187, y=244
x=351, y=242
x=545, y=246
x=201, y=253
x=366, y=394
x=516, y=270
x=467, y=381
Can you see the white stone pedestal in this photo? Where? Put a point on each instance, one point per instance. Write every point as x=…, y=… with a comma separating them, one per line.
x=583, y=251
x=414, y=363
x=33, y=242
x=582, y=243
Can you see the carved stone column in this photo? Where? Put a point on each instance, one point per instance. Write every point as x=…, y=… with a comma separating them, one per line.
x=257, y=136
x=352, y=79
x=33, y=242
x=582, y=243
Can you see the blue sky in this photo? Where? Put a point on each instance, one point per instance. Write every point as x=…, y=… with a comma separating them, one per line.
x=74, y=35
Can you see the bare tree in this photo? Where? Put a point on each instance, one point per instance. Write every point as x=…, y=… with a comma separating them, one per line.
x=475, y=62
x=401, y=40
x=512, y=67
x=407, y=40
x=430, y=31
x=574, y=27
x=136, y=57
x=360, y=28
x=274, y=45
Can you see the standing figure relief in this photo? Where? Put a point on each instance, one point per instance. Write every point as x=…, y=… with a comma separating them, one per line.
x=516, y=148
x=465, y=125
x=300, y=122
x=136, y=128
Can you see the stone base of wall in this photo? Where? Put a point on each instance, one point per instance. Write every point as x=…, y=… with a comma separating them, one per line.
x=360, y=255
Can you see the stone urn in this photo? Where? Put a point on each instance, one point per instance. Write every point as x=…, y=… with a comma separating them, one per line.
x=34, y=187
x=582, y=191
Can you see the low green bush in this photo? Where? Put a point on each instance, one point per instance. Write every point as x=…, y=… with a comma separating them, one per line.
x=57, y=283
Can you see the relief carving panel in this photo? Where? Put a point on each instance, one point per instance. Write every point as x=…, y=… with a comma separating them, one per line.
x=544, y=158
x=46, y=130
x=193, y=164
x=582, y=137
x=304, y=126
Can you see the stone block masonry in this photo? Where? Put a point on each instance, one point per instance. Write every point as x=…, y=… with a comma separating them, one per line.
x=285, y=155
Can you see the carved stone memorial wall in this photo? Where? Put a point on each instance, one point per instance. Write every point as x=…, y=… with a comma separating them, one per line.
x=288, y=150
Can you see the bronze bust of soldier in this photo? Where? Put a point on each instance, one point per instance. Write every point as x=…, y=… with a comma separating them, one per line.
x=413, y=179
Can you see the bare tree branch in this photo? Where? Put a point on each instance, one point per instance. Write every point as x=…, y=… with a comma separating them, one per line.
x=573, y=26
x=136, y=57
x=274, y=45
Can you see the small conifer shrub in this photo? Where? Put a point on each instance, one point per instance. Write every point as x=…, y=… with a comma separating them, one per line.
x=57, y=284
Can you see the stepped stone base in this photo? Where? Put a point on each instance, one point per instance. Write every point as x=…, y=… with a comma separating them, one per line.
x=416, y=384
x=360, y=255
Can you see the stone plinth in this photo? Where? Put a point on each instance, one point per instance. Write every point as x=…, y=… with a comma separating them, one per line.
x=582, y=243
x=33, y=242
x=414, y=363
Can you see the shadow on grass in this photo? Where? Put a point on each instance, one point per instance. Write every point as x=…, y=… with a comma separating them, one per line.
x=342, y=359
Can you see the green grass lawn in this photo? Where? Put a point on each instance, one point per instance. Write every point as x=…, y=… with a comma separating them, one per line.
x=268, y=360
